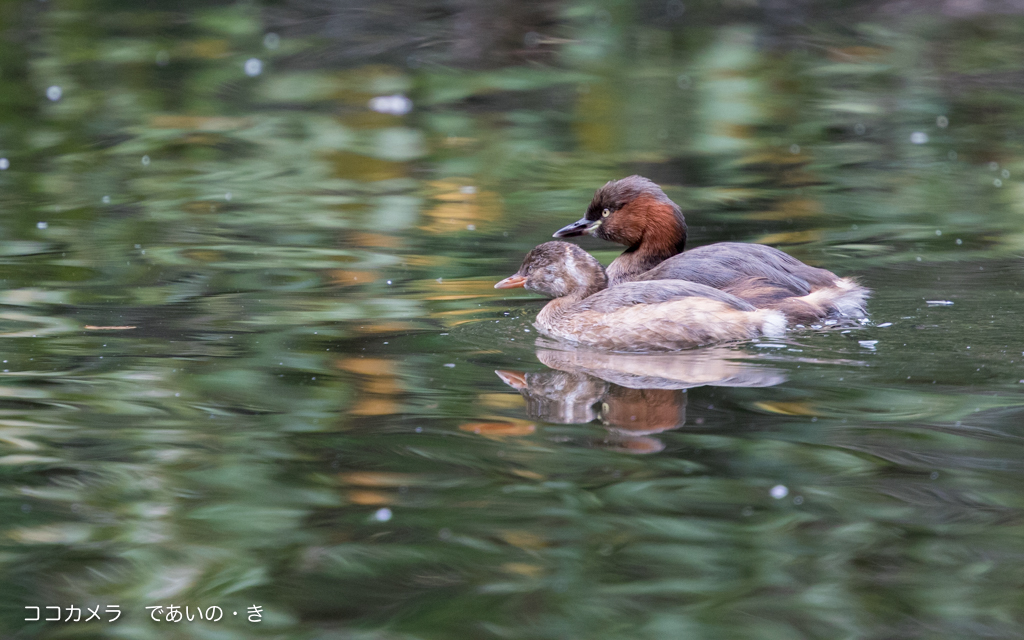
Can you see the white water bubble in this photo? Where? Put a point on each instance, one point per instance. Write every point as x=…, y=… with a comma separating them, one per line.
x=227, y=196
x=145, y=161
x=919, y=137
x=779, y=491
x=794, y=149
x=42, y=225
x=997, y=182
x=54, y=93
x=938, y=232
x=271, y=40
x=253, y=67
x=959, y=241
x=396, y=105
x=471, y=227
x=105, y=199
x=884, y=324
x=859, y=129
x=993, y=166
x=868, y=344
x=1005, y=173
x=467, y=190
x=382, y=515
x=5, y=164
x=942, y=122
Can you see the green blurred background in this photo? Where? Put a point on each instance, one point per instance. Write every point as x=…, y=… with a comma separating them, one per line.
x=249, y=335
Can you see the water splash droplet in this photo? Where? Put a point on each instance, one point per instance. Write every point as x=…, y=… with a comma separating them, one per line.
x=253, y=67
x=396, y=105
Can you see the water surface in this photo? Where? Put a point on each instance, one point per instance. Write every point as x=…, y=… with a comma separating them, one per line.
x=252, y=355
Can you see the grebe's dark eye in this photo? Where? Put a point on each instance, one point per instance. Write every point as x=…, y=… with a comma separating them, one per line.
x=606, y=213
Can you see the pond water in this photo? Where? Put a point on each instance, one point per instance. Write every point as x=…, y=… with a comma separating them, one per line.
x=252, y=356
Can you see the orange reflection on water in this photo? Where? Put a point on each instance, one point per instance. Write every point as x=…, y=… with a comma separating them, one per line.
x=508, y=427
x=377, y=386
x=460, y=206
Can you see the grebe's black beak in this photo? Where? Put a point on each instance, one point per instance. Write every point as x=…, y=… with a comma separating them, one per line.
x=578, y=228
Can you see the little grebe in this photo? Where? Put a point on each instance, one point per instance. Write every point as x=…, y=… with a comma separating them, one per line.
x=632, y=316
x=636, y=212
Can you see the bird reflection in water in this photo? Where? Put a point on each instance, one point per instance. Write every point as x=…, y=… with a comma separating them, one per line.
x=633, y=395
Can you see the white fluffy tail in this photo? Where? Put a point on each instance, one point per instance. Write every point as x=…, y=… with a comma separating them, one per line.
x=844, y=299
x=849, y=303
x=774, y=324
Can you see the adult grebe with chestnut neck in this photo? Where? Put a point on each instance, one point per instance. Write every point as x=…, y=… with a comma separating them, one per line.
x=635, y=212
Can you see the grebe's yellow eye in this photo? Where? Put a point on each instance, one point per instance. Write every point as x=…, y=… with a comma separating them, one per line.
x=606, y=213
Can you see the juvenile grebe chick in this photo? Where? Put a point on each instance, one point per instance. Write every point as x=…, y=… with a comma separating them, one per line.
x=633, y=316
x=635, y=212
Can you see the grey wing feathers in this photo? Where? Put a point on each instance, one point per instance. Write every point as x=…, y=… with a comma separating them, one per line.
x=633, y=293
x=718, y=265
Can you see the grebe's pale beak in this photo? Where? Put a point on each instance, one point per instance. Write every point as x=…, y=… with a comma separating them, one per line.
x=514, y=379
x=512, y=282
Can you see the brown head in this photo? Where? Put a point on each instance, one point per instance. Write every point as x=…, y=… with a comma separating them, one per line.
x=558, y=269
x=633, y=211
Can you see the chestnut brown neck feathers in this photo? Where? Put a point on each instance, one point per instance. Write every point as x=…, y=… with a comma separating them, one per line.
x=636, y=212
